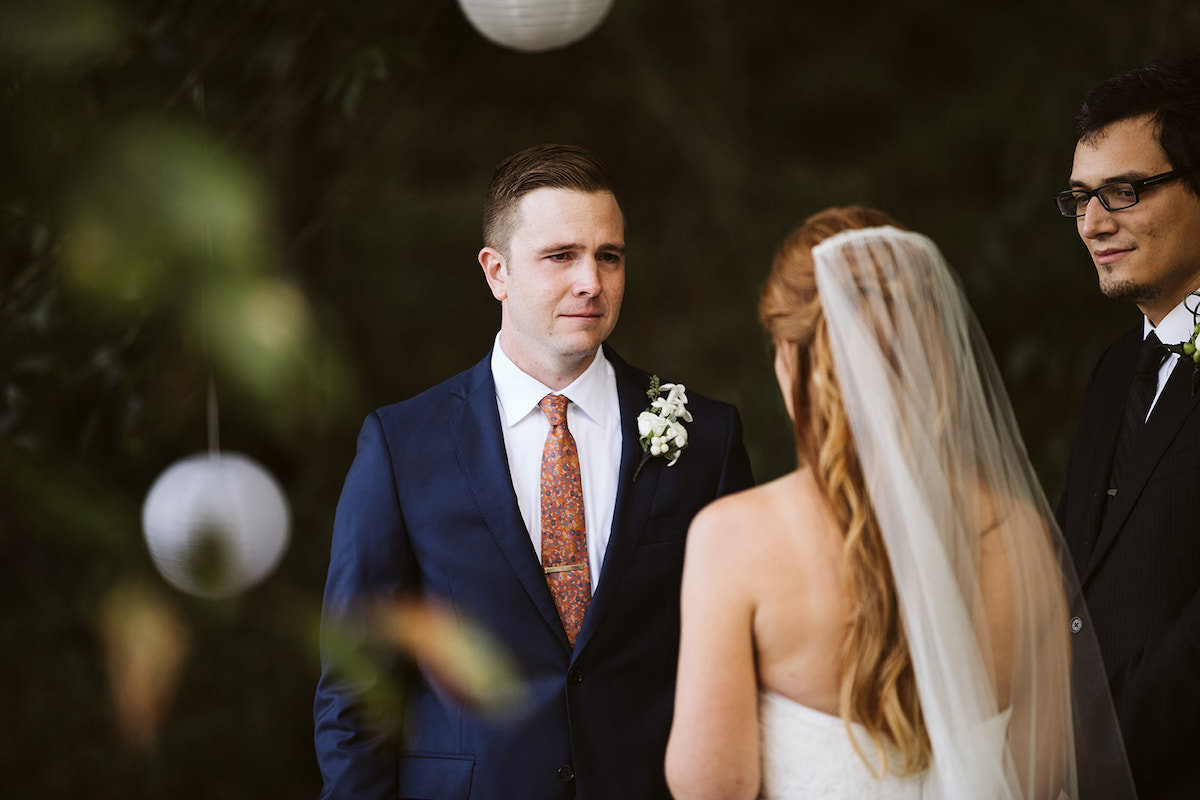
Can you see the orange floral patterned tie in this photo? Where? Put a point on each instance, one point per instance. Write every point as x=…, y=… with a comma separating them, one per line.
x=564, y=537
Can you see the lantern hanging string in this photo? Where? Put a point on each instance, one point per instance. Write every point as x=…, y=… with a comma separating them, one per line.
x=214, y=436
x=212, y=409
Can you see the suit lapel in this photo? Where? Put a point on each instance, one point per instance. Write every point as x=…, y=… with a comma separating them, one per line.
x=1174, y=406
x=479, y=442
x=633, y=499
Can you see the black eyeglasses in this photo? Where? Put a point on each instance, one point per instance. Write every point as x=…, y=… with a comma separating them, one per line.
x=1113, y=196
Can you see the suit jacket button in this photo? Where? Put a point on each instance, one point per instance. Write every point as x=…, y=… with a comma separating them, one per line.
x=1076, y=624
x=566, y=773
x=575, y=677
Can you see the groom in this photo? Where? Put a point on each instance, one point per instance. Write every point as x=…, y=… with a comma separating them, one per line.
x=1130, y=513
x=508, y=493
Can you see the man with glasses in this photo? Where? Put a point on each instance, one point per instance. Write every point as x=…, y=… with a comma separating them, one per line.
x=1131, y=510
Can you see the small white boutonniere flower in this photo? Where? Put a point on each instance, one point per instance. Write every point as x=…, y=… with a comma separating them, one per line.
x=660, y=427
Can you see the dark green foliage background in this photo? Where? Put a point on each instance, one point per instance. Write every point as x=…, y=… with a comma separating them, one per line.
x=373, y=127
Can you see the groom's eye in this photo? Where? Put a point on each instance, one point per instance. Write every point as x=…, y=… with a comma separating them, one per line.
x=1122, y=192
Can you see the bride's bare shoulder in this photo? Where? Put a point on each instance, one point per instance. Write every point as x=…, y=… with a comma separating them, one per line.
x=758, y=515
x=733, y=539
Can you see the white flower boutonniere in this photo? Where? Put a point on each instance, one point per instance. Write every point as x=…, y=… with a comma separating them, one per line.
x=1190, y=349
x=660, y=427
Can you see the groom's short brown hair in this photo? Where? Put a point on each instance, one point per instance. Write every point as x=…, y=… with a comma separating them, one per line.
x=543, y=166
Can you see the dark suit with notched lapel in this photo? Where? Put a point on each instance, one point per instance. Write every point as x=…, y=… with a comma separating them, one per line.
x=428, y=507
x=1139, y=566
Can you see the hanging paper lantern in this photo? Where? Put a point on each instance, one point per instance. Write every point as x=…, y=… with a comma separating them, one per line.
x=533, y=26
x=216, y=524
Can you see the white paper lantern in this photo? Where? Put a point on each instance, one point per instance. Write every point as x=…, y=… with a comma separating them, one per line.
x=533, y=26
x=216, y=524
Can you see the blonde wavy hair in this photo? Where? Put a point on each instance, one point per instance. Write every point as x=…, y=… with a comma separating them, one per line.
x=878, y=686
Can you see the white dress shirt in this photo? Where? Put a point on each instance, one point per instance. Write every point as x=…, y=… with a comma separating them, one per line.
x=594, y=419
x=1174, y=328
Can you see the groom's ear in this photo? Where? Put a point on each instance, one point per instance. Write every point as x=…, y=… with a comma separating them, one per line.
x=495, y=270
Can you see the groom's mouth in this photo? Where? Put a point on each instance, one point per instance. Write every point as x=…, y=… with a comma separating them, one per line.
x=583, y=314
x=1110, y=255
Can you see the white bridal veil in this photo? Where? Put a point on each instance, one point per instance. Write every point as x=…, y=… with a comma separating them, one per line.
x=1015, y=704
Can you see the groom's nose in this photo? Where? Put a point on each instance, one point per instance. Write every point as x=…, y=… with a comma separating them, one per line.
x=1096, y=220
x=587, y=277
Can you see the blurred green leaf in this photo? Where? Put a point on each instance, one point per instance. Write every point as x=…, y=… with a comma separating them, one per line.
x=161, y=207
x=54, y=33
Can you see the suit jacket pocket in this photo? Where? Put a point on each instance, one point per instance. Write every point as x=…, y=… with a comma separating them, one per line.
x=435, y=776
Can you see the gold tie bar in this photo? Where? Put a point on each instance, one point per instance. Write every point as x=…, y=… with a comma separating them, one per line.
x=565, y=568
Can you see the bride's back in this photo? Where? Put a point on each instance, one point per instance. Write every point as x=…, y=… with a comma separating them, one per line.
x=794, y=577
x=796, y=580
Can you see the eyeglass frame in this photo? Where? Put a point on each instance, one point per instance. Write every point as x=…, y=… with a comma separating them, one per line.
x=1137, y=186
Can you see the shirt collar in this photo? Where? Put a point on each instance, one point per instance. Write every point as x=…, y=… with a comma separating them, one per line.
x=1175, y=327
x=519, y=392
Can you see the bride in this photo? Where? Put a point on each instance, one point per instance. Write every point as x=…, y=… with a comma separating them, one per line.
x=894, y=619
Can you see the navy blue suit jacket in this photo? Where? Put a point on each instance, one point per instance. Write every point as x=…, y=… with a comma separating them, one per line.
x=428, y=507
x=1138, y=560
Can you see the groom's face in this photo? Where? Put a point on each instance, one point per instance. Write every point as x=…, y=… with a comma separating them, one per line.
x=561, y=281
x=1145, y=254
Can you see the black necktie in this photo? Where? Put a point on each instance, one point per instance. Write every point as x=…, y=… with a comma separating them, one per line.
x=1137, y=405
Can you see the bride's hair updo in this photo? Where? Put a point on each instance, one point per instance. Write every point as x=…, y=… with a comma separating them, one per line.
x=878, y=688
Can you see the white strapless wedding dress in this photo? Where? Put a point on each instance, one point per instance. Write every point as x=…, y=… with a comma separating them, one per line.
x=807, y=755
